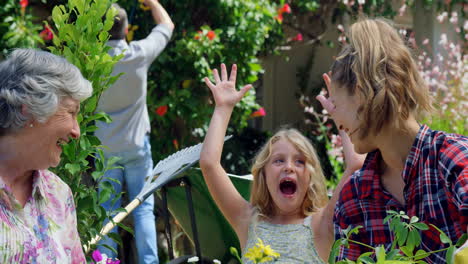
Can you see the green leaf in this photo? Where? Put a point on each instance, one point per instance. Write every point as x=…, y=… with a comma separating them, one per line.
x=104, y=195
x=420, y=254
x=380, y=254
x=461, y=240
x=91, y=104
x=445, y=239
x=421, y=226
x=414, y=239
x=407, y=250
x=402, y=235
x=126, y=228
x=73, y=168
x=449, y=255
x=116, y=237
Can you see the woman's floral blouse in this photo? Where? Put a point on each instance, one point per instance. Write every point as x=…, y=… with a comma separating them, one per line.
x=45, y=230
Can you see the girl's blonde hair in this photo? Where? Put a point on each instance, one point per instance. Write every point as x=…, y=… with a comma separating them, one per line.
x=377, y=65
x=260, y=197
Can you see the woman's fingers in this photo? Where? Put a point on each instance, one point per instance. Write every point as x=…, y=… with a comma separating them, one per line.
x=326, y=78
x=326, y=103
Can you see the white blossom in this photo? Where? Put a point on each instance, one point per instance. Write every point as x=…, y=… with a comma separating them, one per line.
x=193, y=259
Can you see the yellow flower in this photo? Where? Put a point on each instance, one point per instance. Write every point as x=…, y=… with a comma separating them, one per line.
x=261, y=253
x=270, y=252
x=143, y=7
x=131, y=31
x=186, y=84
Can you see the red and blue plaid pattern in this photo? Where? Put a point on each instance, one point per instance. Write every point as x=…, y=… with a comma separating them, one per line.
x=436, y=191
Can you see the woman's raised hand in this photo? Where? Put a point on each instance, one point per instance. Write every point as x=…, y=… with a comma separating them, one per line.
x=327, y=103
x=353, y=160
x=224, y=90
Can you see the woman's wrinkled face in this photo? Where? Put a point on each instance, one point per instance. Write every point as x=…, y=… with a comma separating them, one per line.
x=56, y=131
x=346, y=117
x=287, y=178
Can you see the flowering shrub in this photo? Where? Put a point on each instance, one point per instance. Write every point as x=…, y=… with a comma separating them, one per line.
x=99, y=258
x=446, y=76
x=16, y=26
x=212, y=32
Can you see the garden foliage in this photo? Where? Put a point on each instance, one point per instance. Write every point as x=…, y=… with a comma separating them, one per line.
x=213, y=32
x=404, y=248
x=17, y=28
x=210, y=32
x=80, y=36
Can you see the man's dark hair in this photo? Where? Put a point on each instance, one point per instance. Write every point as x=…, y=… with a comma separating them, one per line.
x=118, y=30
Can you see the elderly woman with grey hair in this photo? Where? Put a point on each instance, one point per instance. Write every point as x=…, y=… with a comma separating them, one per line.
x=40, y=96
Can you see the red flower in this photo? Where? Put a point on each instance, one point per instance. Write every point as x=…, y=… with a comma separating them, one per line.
x=47, y=33
x=279, y=17
x=211, y=34
x=24, y=3
x=298, y=37
x=161, y=111
x=259, y=112
x=286, y=8
x=175, y=143
x=197, y=36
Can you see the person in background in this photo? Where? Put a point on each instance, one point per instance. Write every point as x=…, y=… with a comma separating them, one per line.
x=375, y=94
x=40, y=96
x=127, y=136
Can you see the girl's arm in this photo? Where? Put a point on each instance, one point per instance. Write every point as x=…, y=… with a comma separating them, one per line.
x=233, y=206
x=322, y=224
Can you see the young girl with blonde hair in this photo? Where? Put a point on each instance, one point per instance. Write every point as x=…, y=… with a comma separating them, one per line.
x=288, y=209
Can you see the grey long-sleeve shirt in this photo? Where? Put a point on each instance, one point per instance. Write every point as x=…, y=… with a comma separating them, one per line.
x=125, y=100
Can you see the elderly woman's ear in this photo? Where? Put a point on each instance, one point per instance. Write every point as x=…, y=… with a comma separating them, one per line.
x=25, y=112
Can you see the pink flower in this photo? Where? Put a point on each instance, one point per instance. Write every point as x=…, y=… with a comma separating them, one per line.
x=298, y=37
x=258, y=113
x=286, y=9
x=402, y=10
x=97, y=255
x=24, y=3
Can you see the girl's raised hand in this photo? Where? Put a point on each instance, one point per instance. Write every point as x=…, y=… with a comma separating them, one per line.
x=224, y=90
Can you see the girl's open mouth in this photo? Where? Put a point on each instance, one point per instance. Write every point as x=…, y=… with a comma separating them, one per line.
x=288, y=186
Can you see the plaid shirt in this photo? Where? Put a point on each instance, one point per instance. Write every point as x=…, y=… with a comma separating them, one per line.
x=436, y=190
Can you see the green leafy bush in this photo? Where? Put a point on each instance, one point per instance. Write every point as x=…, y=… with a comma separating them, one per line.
x=81, y=38
x=406, y=231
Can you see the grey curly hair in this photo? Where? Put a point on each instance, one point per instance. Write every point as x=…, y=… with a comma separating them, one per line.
x=37, y=80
